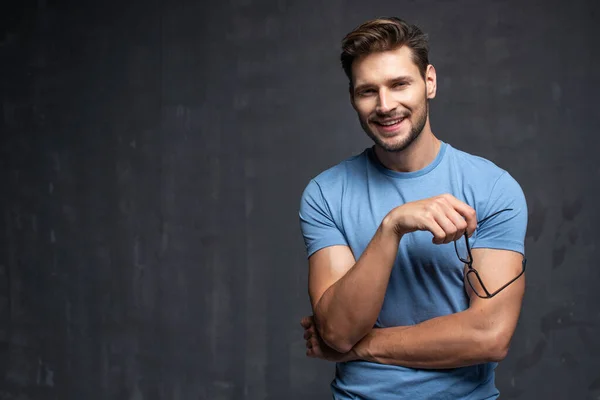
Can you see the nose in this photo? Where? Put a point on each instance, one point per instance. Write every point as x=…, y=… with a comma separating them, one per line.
x=385, y=102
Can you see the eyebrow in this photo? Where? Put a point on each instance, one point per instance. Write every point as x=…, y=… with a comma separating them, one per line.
x=402, y=78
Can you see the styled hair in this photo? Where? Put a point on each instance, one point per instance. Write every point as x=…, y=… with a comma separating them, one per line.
x=384, y=34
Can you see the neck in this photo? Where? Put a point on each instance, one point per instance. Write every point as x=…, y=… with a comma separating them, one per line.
x=417, y=156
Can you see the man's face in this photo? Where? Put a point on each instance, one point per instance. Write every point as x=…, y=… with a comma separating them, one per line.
x=391, y=97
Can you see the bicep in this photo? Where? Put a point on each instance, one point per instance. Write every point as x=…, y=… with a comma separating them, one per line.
x=496, y=268
x=498, y=248
x=326, y=267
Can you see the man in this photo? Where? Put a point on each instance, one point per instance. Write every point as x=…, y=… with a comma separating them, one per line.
x=407, y=306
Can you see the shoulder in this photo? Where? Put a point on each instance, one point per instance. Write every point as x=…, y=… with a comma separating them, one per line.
x=334, y=179
x=497, y=198
x=481, y=172
x=476, y=165
x=489, y=186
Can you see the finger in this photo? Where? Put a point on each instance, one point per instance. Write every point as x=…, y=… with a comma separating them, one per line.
x=314, y=347
x=312, y=353
x=309, y=344
x=429, y=223
x=459, y=224
x=439, y=235
x=450, y=230
x=308, y=334
x=306, y=322
x=437, y=222
x=465, y=210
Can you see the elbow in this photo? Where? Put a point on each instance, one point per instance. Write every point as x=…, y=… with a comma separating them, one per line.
x=334, y=337
x=497, y=345
x=497, y=354
x=337, y=342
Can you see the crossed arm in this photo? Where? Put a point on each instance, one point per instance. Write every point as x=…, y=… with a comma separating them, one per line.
x=346, y=296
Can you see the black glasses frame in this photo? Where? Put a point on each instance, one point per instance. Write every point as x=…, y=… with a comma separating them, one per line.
x=469, y=263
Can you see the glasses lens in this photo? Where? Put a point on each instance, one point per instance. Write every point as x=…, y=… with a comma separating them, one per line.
x=475, y=281
x=475, y=284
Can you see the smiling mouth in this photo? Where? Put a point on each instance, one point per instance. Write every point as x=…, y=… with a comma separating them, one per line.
x=389, y=123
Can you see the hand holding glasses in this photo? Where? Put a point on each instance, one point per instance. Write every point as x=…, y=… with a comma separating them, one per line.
x=445, y=217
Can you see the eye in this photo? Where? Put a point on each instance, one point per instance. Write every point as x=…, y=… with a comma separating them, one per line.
x=366, y=92
x=399, y=84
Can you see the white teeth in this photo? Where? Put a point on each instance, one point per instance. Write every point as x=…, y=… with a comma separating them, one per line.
x=391, y=122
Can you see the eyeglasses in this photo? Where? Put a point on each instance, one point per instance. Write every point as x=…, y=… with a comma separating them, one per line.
x=471, y=274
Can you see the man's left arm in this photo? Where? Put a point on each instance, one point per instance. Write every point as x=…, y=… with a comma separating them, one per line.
x=480, y=334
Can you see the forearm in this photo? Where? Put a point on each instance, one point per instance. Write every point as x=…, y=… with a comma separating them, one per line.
x=349, y=308
x=451, y=341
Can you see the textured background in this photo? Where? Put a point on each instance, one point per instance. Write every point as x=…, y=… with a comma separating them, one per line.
x=153, y=154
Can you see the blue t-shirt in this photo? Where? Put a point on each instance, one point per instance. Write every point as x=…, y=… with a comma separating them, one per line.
x=345, y=204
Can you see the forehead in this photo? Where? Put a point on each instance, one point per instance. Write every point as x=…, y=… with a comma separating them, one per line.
x=383, y=66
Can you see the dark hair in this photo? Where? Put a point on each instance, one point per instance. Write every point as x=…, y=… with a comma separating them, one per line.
x=383, y=34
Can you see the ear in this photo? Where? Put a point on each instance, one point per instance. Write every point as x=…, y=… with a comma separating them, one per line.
x=431, y=81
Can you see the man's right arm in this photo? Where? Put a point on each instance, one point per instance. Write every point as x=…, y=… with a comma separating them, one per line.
x=347, y=295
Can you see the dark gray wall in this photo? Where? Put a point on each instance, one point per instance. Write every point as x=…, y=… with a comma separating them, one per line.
x=153, y=156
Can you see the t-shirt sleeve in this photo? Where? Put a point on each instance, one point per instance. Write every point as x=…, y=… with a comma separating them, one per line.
x=316, y=221
x=505, y=230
